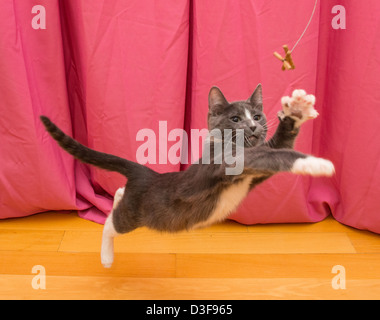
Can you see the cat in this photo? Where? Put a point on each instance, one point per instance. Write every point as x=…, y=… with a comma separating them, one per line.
x=203, y=194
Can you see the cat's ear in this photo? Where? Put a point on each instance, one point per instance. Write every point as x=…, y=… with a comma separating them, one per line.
x=216, y=99
x=256, y=99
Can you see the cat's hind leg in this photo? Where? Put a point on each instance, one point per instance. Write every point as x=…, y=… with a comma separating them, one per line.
x=109, y=233
x=118, y=195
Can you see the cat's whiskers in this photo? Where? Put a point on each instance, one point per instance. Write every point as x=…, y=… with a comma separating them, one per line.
x=247, y=140
x=269, y=126
x=271, y=123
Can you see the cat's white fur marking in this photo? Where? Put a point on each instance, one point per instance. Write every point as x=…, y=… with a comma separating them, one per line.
x=313, y=166
x=118, y=195
x=228, y=201
x=109, y=233
x=249, y=116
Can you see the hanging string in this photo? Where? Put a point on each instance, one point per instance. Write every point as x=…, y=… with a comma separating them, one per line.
x=287, y=60
x=307, y=26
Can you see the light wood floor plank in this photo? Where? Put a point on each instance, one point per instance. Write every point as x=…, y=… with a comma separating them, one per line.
x=66, y=220
x=365, y=241
x=88, y=264
x=357, y=266
x=224, y=261
x=327, y=225
x=60, y=287
x=30, y=240
x=189, y=242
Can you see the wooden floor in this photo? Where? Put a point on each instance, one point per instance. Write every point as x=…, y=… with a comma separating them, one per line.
x=226, y=261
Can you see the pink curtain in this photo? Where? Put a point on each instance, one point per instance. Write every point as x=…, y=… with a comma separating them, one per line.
x=104, y=69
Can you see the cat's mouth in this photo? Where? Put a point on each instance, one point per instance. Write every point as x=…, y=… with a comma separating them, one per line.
x=250, y=141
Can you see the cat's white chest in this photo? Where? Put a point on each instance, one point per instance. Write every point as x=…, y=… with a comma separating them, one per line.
x=228, y=201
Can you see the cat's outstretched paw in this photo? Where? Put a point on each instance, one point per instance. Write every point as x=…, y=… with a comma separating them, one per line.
x=300, y=107
x=313, y=166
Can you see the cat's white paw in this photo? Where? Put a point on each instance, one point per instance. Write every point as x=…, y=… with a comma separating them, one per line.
x=106, y=255
x=313, y=166
x=300, y=106
x=107, y=263
x=107, y=250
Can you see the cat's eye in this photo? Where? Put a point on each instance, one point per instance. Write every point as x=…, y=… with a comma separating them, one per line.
x=235, y=119
x=257, y=117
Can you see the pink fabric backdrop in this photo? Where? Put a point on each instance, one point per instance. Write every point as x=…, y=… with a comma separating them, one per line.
x=104, y=69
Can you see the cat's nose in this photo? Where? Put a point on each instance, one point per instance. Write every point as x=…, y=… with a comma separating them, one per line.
x=253, y=128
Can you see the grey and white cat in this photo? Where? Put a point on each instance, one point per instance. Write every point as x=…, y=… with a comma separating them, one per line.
x=203, y=194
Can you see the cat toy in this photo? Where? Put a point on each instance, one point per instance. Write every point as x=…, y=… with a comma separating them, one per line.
x=287, y=60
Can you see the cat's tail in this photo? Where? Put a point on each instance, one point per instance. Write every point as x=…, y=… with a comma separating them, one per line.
x=99, y=159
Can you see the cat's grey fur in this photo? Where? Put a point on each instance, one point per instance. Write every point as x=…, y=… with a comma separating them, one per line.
x=203, y=193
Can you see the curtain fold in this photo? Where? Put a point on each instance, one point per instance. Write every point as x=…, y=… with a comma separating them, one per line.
x=347, y=86
x=35, y=176
x=103, y=70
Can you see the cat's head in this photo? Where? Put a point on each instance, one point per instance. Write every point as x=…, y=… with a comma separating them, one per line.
x=247, y=115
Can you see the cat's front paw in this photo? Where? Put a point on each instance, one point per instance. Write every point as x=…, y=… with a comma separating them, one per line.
x=313, y=166
x=300, y=107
